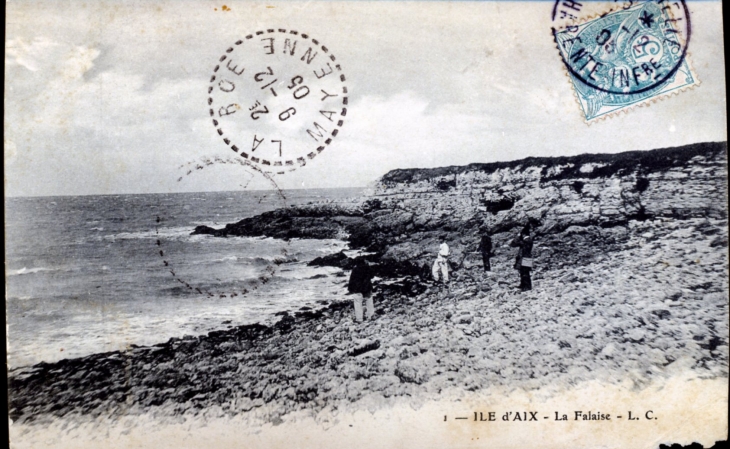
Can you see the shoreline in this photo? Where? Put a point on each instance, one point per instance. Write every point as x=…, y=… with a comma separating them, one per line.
x=476, y=334
x=144, y=319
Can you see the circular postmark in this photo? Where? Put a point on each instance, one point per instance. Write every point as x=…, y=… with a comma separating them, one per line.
x=277, y=97
x=628, y=51
x=256, y=270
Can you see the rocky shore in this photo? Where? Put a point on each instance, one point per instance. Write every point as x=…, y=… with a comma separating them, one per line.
x=630, y=282
x=406, y=212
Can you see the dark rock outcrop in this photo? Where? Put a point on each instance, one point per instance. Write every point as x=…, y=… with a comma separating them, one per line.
x=312, y=222
x=339, y=260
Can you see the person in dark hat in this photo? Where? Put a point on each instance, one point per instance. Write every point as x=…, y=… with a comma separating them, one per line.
x=524, y=261
x=485, y=247
x=361, y=285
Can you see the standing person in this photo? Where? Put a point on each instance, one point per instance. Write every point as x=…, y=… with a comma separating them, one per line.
x=485, y=247
x=441, y=265
x=362, y=286
x=523, y=262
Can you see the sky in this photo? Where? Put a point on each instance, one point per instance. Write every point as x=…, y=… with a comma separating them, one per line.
x=109, y=97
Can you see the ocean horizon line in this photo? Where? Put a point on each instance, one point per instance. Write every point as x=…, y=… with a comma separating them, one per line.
x=7, y=197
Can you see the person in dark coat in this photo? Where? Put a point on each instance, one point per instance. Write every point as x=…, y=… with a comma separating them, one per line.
x=361, y=285
x=485, y=247
x=523, y=262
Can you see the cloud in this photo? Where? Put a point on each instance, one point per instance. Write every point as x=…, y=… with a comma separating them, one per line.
x=408, y=130
x=398, y=131
x=31, y=55
x=109, y=132
x=42, y=54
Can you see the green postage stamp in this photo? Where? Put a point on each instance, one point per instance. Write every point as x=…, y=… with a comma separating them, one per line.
x=628, y=57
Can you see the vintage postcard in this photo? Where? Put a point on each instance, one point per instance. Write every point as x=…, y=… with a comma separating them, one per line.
x=366, y=224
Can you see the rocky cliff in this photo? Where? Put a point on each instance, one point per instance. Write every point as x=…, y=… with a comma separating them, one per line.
x=407, y=211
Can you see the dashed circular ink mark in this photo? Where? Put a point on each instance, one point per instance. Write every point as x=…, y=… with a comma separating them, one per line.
x=266, y=273
x=277, y=98
x=265, y=276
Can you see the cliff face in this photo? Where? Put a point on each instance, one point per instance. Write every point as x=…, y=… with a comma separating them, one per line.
x=602, y=194
x=602, y=190
x=580, y=206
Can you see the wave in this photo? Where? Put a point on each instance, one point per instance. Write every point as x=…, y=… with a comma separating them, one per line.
x=162, y=233
x=177, y=233
x=304, y=273
x=273, y=259
x=25, y=270
x=226, y=259
x=256, y=260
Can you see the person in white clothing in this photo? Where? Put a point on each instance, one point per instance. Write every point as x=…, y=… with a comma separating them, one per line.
x=441, y=265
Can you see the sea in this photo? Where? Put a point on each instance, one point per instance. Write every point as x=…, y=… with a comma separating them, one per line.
x=98, y=273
